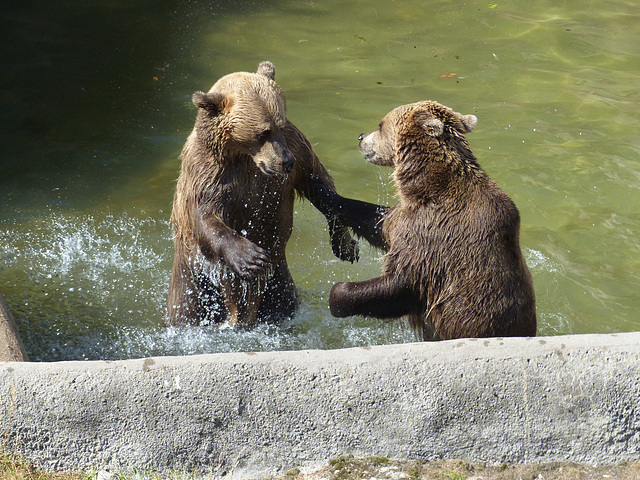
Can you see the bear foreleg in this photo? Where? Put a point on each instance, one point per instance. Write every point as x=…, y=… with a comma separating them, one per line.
x=365, y=219
x=381, y=297
x=307, y=170
x=342, y=245
x=217, y=241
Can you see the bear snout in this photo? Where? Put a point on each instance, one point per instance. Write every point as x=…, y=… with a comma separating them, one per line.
x=366, y=147
x=376, y=149
x=274, y=158
x=362, y=143
x=287, y=160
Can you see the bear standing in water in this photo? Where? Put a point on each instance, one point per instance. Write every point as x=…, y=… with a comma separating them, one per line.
x=233, y=205
x=453, y=266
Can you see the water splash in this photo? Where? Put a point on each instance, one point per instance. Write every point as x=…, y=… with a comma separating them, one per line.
x=94, y=287
x=74, y=282
x=538, y=261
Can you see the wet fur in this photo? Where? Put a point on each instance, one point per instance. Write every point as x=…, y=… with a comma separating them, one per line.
x=242, y=167
x=453, y=266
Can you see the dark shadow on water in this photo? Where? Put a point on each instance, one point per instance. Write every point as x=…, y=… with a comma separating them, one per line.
x=92, y=94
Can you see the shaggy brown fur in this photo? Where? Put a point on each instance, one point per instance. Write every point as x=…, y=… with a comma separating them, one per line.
x=453, y=266
x=233, y=206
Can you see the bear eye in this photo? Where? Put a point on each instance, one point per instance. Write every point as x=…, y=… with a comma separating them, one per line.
x=264, y=135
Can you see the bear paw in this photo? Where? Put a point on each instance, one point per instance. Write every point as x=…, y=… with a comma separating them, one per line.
x=344, y=246
x=247, y=259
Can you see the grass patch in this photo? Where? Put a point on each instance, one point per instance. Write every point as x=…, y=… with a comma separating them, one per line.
x=12, y=468
x=347, y=467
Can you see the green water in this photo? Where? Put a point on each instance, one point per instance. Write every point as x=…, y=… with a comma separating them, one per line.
x=95, y=107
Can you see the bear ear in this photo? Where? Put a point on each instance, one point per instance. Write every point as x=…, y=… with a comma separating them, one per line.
x=432, y=125
x=268, y=70
x=212, y=102
x=469, y=122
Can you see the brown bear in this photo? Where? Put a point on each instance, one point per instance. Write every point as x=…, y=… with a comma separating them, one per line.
x=233, y=207
x=453, y=265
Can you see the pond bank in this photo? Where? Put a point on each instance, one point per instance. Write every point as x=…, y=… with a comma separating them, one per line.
x=11, y=348
x=544, y=399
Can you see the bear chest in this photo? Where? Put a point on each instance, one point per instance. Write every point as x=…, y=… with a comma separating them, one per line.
x=260, y=209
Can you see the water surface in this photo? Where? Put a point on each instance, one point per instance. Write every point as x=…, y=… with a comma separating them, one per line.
x=95, y=107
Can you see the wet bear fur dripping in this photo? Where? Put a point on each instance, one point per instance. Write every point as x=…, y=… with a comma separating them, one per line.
x=232, y=214
x=453, y=265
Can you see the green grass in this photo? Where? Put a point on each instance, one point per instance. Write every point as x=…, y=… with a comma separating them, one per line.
x=347, y=467
x=12, y=468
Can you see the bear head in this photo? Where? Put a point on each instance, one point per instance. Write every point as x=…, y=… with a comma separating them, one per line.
x=426, y=125
x=245, y=114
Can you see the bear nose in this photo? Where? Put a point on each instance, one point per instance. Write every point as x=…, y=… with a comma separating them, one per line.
x=287, y=162
x=361, y=136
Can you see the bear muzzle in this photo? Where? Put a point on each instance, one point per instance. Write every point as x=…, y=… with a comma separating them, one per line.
x=373, y=147
x=275, y=158
x=365, y=146
x=287, y=160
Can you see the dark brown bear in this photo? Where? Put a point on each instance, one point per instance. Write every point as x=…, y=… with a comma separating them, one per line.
x=453, y=266
x=233, y=205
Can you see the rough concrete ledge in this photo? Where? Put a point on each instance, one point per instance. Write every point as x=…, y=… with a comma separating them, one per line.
x=513, y=400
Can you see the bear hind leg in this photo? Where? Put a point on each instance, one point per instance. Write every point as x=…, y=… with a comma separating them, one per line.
x=280, y=299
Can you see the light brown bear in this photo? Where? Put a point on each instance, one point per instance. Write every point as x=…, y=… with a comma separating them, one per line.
x=453, y=266
x=233, y=205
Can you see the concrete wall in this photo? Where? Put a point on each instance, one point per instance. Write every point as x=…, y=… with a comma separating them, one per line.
x=514, y=400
